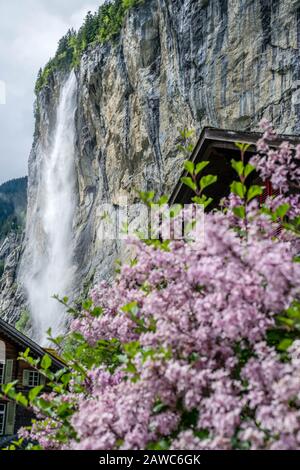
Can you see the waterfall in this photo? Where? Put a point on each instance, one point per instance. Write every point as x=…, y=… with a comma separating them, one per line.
x=49, y=266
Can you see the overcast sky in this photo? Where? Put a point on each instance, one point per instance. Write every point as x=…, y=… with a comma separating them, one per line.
x=29, y=32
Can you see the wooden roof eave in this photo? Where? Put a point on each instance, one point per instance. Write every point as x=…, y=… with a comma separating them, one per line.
x=224, y=139
x=24, y=342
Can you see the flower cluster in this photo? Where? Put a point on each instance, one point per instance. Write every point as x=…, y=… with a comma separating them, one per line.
x=199, y=367
x=280, y=165
x=205, y=302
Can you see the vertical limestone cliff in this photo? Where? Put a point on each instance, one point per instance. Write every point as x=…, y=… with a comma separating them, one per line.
x=177, y=63
x=13, y=204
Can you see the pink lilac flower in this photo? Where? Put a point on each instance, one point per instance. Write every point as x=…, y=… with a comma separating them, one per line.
x=200, y=303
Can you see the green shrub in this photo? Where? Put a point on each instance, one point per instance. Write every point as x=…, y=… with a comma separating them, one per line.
x=1, y=267
x=23, y=322
x=13, y=203
x=99, y=27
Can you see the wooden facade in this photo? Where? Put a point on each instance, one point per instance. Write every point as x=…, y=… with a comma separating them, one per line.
x=12, y=343
x=218, y=146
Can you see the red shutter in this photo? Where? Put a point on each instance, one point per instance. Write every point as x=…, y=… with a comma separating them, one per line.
x=268, y=192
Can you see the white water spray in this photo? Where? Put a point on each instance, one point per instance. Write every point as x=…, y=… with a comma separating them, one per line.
x=50, y=267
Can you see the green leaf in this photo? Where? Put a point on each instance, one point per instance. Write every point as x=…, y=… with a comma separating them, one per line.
x=163, y=444
x=207, y=181
x=202, y=200
x=189, y=148
x=294, y=311
x=8, y=387
x=43, y=404
x=202, y=433
x=238, y=166
x=194, y=357
x=181, y=148
x=285, y=344
x=97, y=312
x=282, y=210
x=189, y=166
x=130, y=368
x=132, y=348
x=132, y=307
x=20, y=398
x=242, y=146
x=49, y=332
x=34, y=392
x=175, y=210
x=186, y=133
x=58, y=340
x=189, y=182
x=253, y=192
x=87, y=305
x=123, y=358
x=200, y=166
x=26, y=353
x=146, y=197
x=286, y=321
x=297, y=221
x=190, y=226
x=248, y=169
x=159, y=407
x=65, y=379
x=207, y=202
x=163, y=200
x=238, y=188
x=239, y=211
x=46, y=362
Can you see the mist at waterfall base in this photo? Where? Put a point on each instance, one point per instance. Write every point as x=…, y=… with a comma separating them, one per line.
x=50, y=270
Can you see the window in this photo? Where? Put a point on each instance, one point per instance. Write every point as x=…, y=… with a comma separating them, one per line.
x=31, y=378
x=2, y=418
x=10, y=418
x=2, y=367
x=2, y=361
x=2, y=352
x=34, y=379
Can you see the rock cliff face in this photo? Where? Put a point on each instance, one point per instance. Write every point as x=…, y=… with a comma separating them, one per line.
x=12, y=299
x=177, y=63
x=13, y=203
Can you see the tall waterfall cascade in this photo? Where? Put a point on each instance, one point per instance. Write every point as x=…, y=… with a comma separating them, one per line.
x=50, y=268
x=176, y=64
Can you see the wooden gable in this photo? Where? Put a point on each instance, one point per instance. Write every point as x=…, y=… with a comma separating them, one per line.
x=218, y=146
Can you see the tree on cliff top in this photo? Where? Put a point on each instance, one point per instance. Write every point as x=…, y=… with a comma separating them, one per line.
x=99, y=27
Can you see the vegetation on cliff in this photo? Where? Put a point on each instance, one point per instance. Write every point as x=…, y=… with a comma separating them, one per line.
x=13, y=202
x=98, y=27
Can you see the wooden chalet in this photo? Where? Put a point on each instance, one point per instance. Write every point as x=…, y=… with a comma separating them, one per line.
x=218, y=146
x=12, y=343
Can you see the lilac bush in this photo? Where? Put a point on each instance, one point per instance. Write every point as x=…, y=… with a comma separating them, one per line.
x=195, y=345
x=209, y=304
x=280, y=166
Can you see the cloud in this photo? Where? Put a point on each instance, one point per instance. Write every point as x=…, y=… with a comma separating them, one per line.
x=29, y=32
